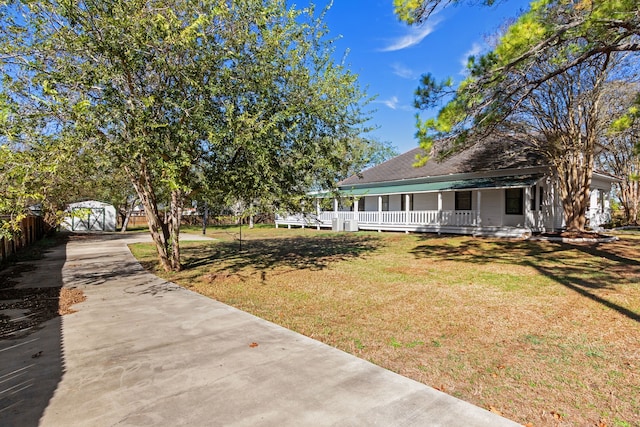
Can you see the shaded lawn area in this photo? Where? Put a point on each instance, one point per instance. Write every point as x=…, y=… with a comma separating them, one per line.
x=543, y=333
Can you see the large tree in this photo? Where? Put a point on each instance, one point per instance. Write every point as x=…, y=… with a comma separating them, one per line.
x=619, y=143
x=549, y=46
x=581, y=30
x=237, y=96
x=562, y=120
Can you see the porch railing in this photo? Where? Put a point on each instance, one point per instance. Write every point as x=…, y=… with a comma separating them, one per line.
x=396, y=218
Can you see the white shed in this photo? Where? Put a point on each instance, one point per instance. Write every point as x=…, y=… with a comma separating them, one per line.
x=90, y=215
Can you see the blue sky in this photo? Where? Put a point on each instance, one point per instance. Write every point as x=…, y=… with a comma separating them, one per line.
x=389, y=56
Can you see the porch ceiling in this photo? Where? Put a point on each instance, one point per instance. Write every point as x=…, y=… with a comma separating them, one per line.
x=467, y=184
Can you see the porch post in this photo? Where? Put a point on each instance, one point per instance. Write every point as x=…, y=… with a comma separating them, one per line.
x=317, y=213
x=552, y=188
x=407, y=199
x=379, y=212
x=527, y=206
x=356, y=202
x=479, y=209
x=439, y=208
x=335, y=207
x=502, y=206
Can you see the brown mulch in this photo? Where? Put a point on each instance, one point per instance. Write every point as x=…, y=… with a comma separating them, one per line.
x=68, y=297
x=29, y=308
x=8, y=275
x=24, y=310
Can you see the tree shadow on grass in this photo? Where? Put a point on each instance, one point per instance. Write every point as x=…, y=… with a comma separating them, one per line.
x=300, y=253
x=594, y=267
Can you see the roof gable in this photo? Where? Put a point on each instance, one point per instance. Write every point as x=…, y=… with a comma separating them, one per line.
x=494, y=154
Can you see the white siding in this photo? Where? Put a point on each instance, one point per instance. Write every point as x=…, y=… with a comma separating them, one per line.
x=492, y=207
x=449, y=201
x=425, y=202
x=395, y=202
x=371, y=203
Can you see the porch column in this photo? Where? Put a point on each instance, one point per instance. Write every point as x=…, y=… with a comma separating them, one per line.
x=318, y=213
x=356, y=202
x=527, y=207
x=379, y=212
x=335, y=207
x=553, y=207
x=439, y=208
x=502, y=207
x=607, y=206
x=407, y=199
x=479, y=209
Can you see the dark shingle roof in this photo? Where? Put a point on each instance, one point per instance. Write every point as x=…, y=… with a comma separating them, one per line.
x=494, y=154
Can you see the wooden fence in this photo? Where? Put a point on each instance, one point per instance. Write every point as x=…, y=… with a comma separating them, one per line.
x=32, y=229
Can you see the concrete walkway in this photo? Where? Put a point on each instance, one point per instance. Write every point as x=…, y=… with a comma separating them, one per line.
x=144, y=352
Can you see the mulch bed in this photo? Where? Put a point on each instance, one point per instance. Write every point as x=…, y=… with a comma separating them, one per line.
x=24, y=310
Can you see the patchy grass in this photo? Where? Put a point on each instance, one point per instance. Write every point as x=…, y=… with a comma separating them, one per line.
x=543, y=333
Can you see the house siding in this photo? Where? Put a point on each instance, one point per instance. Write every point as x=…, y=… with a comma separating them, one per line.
x=492, y=204
x=425, y=202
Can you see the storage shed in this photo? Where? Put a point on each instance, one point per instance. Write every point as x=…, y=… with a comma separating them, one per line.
x=90, y=215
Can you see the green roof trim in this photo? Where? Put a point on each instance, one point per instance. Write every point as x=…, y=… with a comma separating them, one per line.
x=429, y=187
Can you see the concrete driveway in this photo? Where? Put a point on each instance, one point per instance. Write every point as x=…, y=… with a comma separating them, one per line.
x=144, y=352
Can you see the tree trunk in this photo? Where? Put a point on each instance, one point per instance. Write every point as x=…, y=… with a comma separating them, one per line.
x=175, y=218
x=630, y=198
x=574, y=172
x=157, y=228
x=127, y=217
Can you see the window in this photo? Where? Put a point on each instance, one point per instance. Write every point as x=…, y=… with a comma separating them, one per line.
x=361, y=204
x=540, y=196
x=385, y=203
x=403, y=203
x=513, y=201
x=533, y=197
x=463, y=200
x=601, y=200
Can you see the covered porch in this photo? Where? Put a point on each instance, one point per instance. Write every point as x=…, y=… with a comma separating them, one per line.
x=498, y=206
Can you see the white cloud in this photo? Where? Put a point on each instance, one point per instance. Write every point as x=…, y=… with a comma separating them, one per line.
x=413, y=36
x=391, y=102
x=394, y=104
x=402, y=71
x=476, y=49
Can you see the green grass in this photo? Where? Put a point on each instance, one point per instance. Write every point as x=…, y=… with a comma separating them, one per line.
x=529, y=329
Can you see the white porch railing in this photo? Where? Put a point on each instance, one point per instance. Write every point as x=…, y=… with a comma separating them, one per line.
x=391, y=218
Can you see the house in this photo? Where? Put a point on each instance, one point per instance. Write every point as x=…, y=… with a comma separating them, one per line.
x=502, y=189
x=90, y=215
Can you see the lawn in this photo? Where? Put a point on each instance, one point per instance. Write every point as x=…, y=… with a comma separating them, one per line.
x=543, y=333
